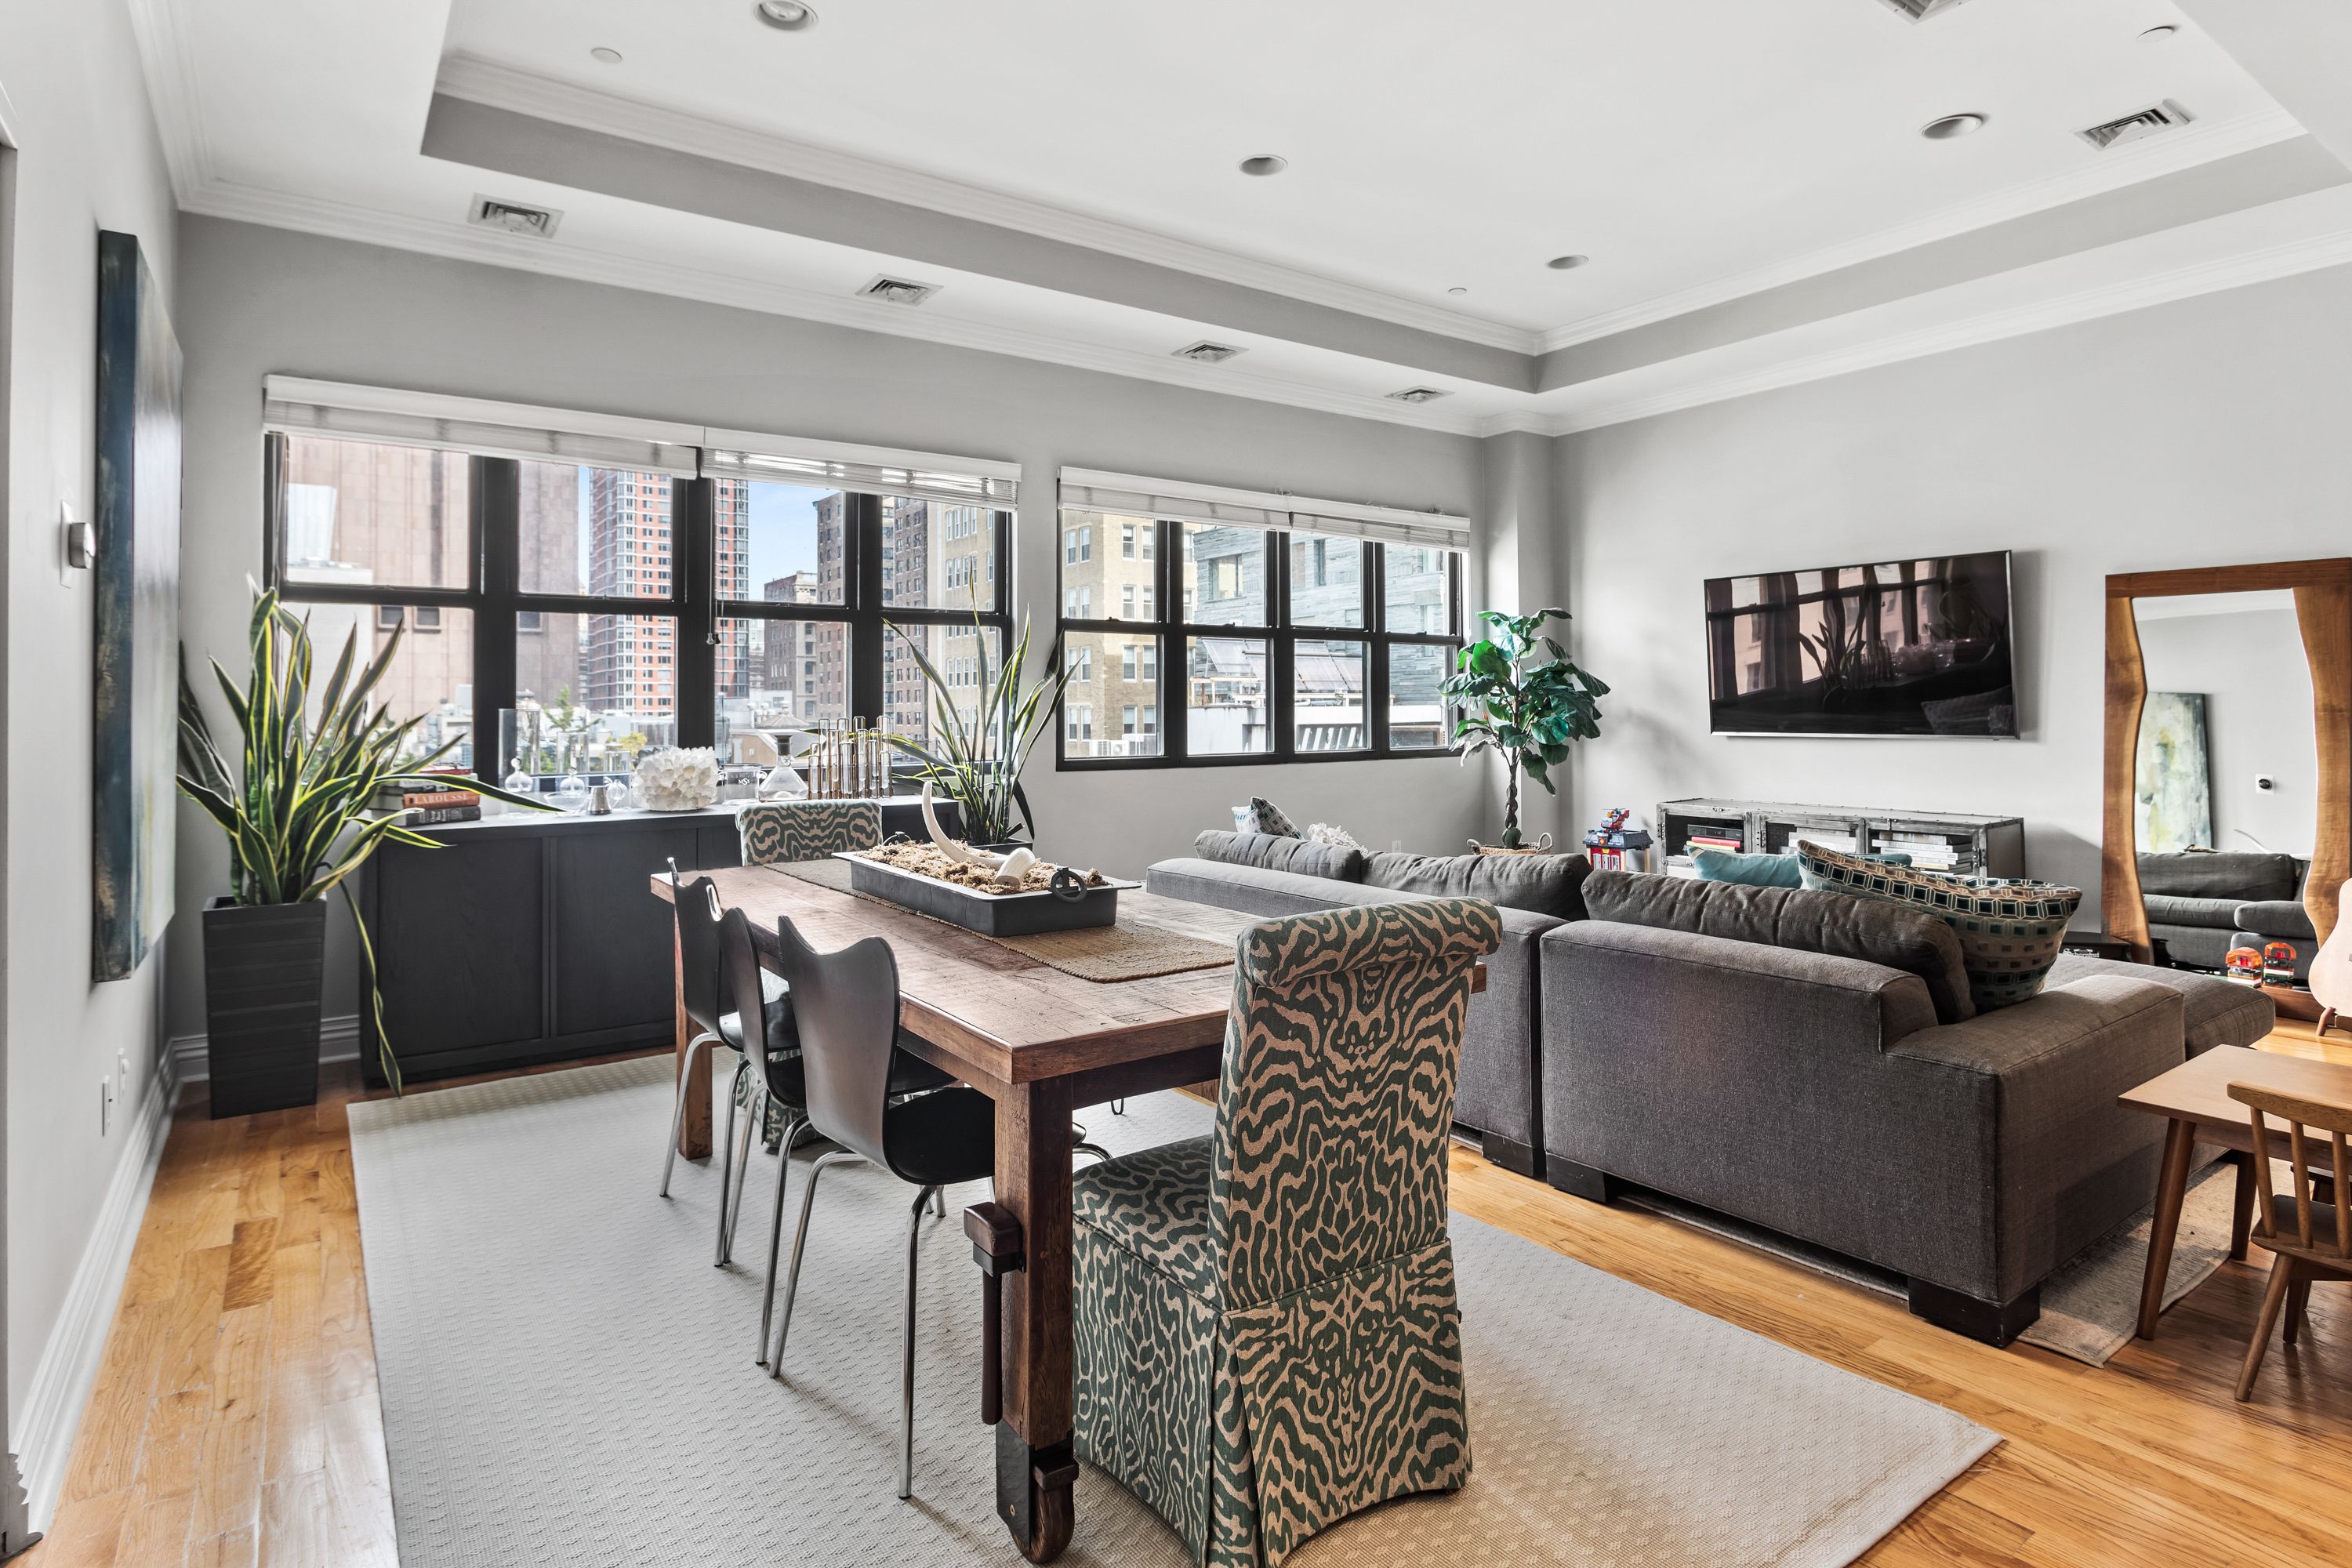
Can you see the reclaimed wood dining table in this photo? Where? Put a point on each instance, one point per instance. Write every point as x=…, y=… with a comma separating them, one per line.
x=1042, y=1044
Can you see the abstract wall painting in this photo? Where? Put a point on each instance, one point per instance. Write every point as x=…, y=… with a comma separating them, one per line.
x=2172, y=779
x=137, y=573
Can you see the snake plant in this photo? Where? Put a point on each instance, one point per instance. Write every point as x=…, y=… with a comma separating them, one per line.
x=976, y=761
x=299, y=813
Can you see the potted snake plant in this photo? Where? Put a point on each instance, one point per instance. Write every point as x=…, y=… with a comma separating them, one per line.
x=975, y=759
x=299, y=812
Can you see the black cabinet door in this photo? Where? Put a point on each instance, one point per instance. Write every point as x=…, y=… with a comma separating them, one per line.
x=613, y=937
x=460, y=943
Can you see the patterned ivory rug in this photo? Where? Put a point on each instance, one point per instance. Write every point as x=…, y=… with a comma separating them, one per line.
x=567, y=1379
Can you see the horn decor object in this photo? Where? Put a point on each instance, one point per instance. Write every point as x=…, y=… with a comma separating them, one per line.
x=1009, y=870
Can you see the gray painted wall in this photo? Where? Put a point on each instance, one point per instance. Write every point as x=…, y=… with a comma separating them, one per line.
x=87, y=159
x=258, y=301
x=2206, y=431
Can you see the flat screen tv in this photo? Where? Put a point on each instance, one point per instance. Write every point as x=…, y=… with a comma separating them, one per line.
x=1895, y=647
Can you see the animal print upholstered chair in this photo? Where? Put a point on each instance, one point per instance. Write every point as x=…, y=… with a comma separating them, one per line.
x=781, y=830
x=1266, y=1333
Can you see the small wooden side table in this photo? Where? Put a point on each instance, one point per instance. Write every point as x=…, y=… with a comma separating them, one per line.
x=2195, y=1097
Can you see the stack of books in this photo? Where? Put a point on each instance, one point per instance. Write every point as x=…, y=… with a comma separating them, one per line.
x=431, y=807
x=1706, y=836
x=1929, y=854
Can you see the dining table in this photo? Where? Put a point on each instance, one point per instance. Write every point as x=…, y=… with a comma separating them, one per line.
x=1042, y=1044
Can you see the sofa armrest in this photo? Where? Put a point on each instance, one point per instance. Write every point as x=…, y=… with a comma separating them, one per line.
x=2280, y=919
x=2067, y=1163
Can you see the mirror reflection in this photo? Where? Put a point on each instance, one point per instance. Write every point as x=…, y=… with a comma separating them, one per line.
x=2225, y=778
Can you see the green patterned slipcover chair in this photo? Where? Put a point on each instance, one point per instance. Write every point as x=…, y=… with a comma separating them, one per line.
x=1266, y=1333
x=780, y=830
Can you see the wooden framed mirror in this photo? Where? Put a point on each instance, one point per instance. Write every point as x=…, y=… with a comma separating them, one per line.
x=2139, y=813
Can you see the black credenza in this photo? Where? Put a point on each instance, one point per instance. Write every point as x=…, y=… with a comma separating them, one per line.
x=532, y=938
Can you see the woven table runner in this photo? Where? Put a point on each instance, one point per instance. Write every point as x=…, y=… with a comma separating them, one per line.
x=1153, y=935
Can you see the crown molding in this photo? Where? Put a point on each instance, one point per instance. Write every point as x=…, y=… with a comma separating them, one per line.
x=2263, y=264
x=522, y=92
x=167, y=59
x=336, y=220
x=2202, y=142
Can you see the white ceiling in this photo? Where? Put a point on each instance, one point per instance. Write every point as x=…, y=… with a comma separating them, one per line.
x=1699, y=151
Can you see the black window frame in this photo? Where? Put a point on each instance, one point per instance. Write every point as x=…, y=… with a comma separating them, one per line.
x=1173, y=634
x=494, y=594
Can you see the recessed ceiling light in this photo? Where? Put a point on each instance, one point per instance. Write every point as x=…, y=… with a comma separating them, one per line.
x=1457, y=289
x=2161, y=31
x=1564, y=263
x=1265, y=163
x=791, y=15
x=1952, y=126
x=605, y=56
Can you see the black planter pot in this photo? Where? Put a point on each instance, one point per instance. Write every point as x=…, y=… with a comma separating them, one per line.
x=264, y=966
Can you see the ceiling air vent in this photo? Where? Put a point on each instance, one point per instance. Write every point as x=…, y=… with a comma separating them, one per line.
x=513, y=216
x=898, y=292
x=1420, y=394
x=1206, y=353
x=1920, y=10
x=2163, y=116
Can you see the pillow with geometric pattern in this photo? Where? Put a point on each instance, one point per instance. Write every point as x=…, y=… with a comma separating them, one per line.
x=2010, y=929
x=1271, y=818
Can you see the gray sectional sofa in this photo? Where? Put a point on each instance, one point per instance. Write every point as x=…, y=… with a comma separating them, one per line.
x=1802, y=1060
x=2201, y=903
x=1812, y=1063
x=1499, y=1101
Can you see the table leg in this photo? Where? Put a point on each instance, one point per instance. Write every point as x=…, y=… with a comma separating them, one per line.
x=694, y=1127
x=2241, y=1220
x=1036, y=1468
x=2170, y=1187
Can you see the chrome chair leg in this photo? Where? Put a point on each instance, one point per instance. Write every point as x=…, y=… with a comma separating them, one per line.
x=800, y=1242
x=755, y=1116
x=677, y=1112
x=939, y=1203
x=907, y=1351
x=776, y=1232
x=1119, y=1108
x=1096, y=1150
x=727, y=1170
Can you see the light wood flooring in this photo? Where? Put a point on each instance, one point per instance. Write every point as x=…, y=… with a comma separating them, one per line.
x=235, y=1420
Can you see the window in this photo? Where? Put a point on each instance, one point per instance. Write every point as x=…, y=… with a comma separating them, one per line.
x=1290, y=644
x=645, y=608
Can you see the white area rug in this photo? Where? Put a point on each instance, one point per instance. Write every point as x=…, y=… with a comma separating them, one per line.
x=566, y=1379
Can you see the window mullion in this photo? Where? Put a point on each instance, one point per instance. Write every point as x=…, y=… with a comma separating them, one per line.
x=1281, y=649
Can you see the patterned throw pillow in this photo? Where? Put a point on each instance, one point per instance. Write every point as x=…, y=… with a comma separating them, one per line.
x=1270, y=819
x=2010, y=930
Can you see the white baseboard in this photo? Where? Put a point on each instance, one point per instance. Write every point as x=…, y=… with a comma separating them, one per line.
x=339, y=1041
x=69, y=1365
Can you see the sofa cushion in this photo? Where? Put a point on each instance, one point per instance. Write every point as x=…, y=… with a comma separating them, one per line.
x=2240, y=876
x=2172, y=910
x=2010, y=930
x=2278, y=920
x=1545, y=884
x=2217, y=1012
x=1274, y=852
x=1762, y=870
x=1793, y=918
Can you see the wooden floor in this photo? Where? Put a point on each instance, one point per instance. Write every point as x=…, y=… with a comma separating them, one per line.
x=234, y=1419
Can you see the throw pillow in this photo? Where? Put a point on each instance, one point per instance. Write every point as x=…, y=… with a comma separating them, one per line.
x=2010, y=930
x=1542, y=884
x=1271, y=852
x=1271, y=818
x=1762, y=870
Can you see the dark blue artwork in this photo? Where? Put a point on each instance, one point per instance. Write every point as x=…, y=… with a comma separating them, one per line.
x=138, y=581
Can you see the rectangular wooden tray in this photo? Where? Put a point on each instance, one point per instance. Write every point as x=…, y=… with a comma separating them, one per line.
x=990, y=914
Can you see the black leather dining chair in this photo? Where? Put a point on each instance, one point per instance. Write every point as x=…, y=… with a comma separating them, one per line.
x=716, y=1021
x=775, y=1076
x=846, y=1006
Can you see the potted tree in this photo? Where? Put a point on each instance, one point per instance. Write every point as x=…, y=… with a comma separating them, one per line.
x=975, y=759
x=1522, y=706
x=301, y=817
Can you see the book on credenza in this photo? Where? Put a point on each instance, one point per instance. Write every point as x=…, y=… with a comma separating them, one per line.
x=436, y=815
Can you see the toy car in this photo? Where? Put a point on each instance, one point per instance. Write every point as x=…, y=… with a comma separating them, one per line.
x=2278, y=964
x=2245, y=966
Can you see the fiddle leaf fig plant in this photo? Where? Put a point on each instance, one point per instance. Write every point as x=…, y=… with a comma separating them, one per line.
x=1524, y=699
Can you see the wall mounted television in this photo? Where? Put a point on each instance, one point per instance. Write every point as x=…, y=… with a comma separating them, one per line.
x=1921, y=646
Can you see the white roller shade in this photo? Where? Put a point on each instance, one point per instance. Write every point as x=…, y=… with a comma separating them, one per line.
x=875, y=470
x=1090, y=490
x=489, y=429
